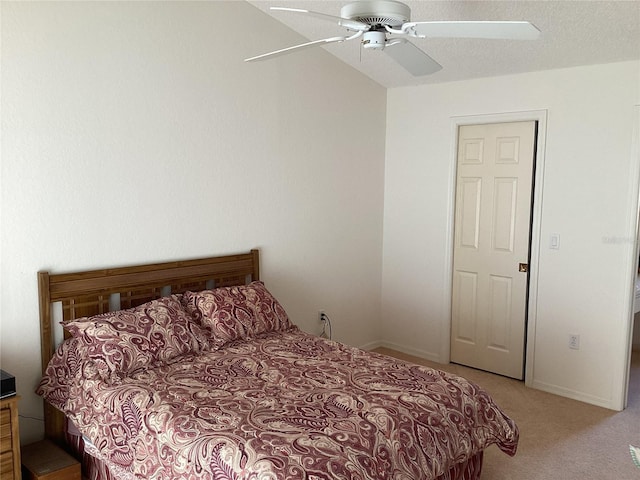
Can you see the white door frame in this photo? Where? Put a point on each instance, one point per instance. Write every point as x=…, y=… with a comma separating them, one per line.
x=634, y=178
x=536, y=220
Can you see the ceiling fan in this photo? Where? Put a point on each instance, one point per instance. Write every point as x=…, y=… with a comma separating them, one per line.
x=386, y=24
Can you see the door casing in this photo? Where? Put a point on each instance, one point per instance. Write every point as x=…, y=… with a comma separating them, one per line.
x=634, y=178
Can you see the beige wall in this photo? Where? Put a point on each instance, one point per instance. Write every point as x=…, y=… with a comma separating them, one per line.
x=589, y=197
x=133, y=132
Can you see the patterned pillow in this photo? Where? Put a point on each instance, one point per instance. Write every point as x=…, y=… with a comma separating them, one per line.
x=66, y=365
x=123, y=341
x=232, y=313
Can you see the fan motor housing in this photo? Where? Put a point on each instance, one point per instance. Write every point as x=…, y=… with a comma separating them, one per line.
x=374, y=40
x=377, y=12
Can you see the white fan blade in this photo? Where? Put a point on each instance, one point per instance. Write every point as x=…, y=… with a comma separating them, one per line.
x=414, y=60
x=295, y=48
x=343, y=22
x=473, y=29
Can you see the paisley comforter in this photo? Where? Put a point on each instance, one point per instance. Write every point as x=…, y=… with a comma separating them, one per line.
x=284, y=405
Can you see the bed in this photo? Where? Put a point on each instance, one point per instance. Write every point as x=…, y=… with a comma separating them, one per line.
x=192, y=369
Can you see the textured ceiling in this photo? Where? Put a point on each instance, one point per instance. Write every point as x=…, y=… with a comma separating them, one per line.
x=574, y=32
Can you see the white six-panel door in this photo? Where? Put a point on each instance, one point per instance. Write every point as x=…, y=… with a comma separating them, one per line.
x=491, y=234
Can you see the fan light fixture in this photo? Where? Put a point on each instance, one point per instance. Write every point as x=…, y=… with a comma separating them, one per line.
x=374, y=40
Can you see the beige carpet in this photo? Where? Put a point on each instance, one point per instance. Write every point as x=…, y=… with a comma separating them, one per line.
x=559, y=438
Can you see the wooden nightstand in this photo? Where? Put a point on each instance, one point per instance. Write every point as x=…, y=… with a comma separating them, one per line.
x=46, y=461
x=9, y=439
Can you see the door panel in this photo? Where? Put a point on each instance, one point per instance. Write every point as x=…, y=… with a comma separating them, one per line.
x=491, y=235
x=467, y=285
x=470, y=212
x=500, y=312
x=504, y=213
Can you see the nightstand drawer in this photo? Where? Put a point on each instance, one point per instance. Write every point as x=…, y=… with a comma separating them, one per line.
x=6, y=444
x=6, y=464
x=5, y=417
x=9, y=439
x=5, y=430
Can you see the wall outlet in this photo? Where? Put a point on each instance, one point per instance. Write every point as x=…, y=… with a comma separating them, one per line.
x=326, y=324
x=574, y=342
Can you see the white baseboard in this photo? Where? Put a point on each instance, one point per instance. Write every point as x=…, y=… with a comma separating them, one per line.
x=371, y=345
x=573, y=394
x=415, y=352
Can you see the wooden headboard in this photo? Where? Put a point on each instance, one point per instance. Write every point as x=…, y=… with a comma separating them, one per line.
x=93, y=292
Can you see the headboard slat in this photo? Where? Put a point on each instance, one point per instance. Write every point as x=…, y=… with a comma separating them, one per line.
x=191, y=286
x=114, y=280
x=133, y=298
x=84, y=306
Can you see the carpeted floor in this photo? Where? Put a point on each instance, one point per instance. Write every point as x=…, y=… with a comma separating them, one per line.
x=559, y=438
